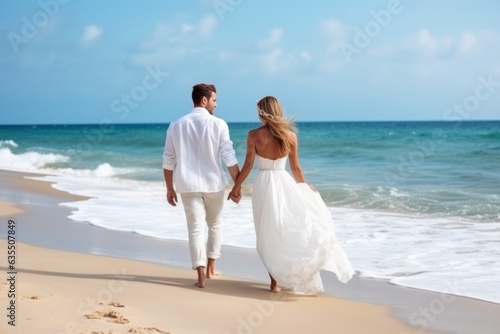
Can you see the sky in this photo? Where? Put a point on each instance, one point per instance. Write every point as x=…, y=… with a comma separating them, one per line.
x=124, y=61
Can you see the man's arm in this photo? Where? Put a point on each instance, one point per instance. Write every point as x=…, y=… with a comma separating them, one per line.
x=226, y=148
x=245, y=170
x=169, y=162
x=234, y=171
x=169, y=181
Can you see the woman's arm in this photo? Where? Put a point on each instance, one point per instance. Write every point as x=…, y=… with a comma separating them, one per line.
x=294, y=160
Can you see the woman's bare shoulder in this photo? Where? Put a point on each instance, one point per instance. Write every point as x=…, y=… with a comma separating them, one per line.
x=258, y=131
x=292, y=135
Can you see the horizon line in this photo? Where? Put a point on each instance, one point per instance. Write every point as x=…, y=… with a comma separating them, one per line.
x=257, y=122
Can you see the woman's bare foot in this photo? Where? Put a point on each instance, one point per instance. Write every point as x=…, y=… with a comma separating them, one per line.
x=274, y=285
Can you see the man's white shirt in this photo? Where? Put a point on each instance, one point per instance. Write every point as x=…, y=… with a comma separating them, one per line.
x=195, y=145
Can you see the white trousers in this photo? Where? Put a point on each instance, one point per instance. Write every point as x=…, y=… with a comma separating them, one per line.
x=201, y=208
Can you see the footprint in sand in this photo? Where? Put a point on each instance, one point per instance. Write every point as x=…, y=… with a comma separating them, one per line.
x=147, y=330
x=87, y=331
x=31, y=297
x=110, y=316
x=115, y=304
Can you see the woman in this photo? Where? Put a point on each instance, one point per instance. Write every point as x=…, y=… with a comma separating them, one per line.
x=294, y=228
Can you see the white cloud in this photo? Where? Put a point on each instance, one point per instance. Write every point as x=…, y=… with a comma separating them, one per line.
x=467, y=42
x=276, y=61
x=495, y=69
x=170, y=42
x=332, y=27
x=273, y=59
x=306, y=56
x=91, y=33
x=479, y=42
x=386, y=50
x=167, y=34
x=186, y=27
x=161, y=55
x=208, y=25
x=274, y=39
x=482, y=43
x=226, y=55
x=331, y=65
x=39, y=61
x=428, y=45
x=166, y=43
x=426, y=42
x=160, y=36
x=334, y=31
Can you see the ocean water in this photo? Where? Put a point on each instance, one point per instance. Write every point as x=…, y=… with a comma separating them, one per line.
x=416, y=203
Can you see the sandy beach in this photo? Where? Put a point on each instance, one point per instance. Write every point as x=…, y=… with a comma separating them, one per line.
x=71, y=277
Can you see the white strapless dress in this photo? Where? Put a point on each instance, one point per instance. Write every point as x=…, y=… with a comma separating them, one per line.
x=294, y=230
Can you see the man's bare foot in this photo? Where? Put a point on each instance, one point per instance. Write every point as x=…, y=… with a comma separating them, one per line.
x=201, y=277
x=211, y=271
x=213, y=274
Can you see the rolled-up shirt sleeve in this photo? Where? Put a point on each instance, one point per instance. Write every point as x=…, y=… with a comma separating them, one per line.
x=227, y=152
x=169, y=157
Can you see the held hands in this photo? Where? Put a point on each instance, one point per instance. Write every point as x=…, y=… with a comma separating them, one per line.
x=235, y=195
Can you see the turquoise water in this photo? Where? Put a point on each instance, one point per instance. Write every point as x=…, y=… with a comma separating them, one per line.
x=416, y=203
x=439, y=168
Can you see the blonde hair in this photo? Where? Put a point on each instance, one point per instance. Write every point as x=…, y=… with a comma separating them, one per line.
x=271, y=113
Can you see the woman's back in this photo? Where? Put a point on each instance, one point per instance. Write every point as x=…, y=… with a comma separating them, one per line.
x=266, y=145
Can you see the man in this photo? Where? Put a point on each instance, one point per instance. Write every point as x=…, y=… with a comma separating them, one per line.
x=194, y=147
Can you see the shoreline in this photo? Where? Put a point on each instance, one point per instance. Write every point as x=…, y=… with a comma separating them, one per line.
x=448, y=313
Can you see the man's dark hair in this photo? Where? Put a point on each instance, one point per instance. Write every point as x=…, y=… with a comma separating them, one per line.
x=202, y=90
